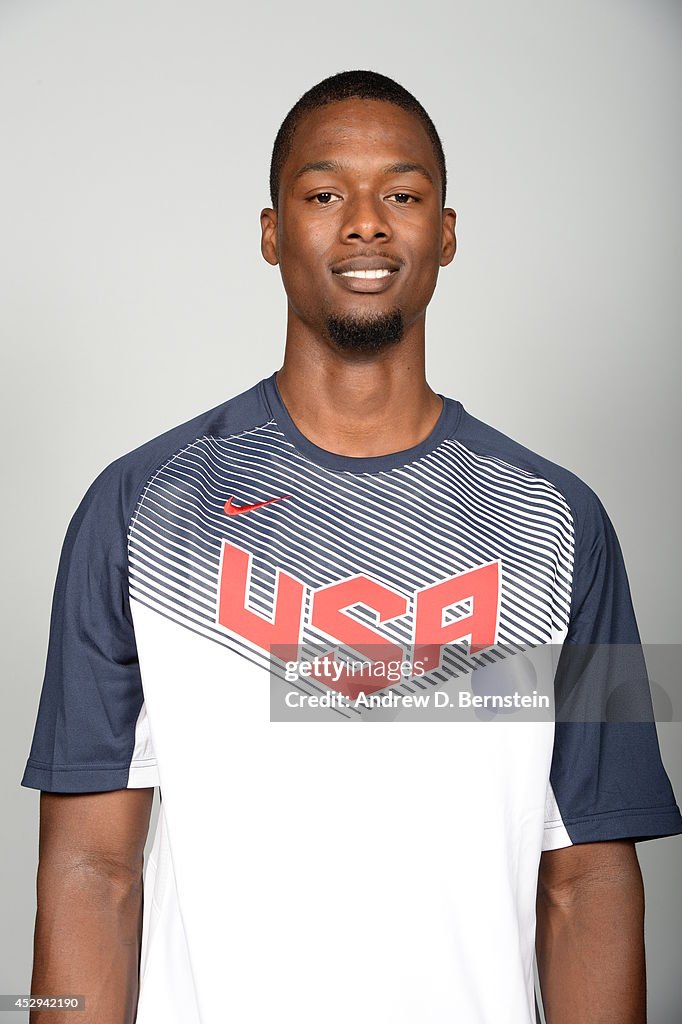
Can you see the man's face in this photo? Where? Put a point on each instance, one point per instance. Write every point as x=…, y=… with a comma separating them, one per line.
x=360, y=232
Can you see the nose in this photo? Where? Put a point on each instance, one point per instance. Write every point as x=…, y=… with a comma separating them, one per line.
x=365, y=219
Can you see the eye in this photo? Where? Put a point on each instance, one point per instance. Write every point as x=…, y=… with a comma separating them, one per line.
x=325, y=198
x=403, y=198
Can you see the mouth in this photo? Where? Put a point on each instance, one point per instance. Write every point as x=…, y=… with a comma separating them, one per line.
x=363, y=274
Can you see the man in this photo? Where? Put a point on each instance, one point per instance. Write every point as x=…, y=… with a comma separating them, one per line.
x=303, y=872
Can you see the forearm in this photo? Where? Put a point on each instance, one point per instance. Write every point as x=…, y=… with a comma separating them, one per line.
x=87, y=941
x=590, y=951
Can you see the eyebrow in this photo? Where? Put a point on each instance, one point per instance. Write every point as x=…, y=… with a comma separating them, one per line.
x=320, y=165
x=336, y=167
x=409, y=168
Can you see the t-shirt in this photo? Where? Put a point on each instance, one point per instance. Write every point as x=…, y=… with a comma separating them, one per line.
x=303, y=871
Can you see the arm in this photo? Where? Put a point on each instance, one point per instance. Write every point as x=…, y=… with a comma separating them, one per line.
x=89, y=919
x=590, y=934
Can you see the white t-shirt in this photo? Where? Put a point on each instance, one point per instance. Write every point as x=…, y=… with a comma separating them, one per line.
x=303, y=871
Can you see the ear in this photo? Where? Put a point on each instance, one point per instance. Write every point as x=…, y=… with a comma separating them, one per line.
x=268, y=240
x=448, y=243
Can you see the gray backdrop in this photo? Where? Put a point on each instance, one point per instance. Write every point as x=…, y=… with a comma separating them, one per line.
x=136, y=139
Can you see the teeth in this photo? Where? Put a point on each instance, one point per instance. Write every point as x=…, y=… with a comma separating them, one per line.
x=365, y=273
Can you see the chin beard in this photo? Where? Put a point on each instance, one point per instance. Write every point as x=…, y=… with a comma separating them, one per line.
x=370, y=333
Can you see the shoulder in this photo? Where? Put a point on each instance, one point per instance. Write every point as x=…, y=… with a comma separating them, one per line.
x=118, y=486
x=506, y=454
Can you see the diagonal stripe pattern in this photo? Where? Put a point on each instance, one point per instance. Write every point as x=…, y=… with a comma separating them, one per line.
x=407, y=527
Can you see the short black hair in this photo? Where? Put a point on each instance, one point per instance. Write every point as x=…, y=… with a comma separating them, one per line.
x=347, y=85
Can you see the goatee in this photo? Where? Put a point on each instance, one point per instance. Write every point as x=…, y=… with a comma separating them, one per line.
x=370, y=333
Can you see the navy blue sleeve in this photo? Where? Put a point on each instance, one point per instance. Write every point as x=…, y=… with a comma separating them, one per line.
x=607, y=777
x=91, y=732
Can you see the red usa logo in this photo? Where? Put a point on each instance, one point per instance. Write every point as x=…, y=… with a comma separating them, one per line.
x=328, y=613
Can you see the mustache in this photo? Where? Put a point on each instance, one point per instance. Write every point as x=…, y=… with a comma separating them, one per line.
x=360, y=254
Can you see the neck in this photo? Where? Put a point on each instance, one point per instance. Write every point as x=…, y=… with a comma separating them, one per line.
x=359, y=405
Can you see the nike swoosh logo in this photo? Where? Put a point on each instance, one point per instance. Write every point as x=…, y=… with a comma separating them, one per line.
x=235, y=510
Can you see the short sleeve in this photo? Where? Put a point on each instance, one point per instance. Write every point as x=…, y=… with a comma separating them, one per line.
x=91, y=731
x=607, y=780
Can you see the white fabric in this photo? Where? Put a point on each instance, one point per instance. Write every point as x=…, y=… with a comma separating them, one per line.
x=306, y=872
